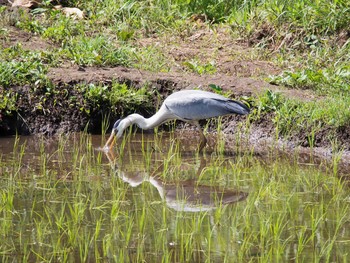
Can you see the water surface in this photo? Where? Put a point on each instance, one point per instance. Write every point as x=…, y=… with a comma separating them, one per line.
x=154, y=198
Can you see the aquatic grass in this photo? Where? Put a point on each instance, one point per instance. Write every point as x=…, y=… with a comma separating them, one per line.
x=104, y=125
x=220, y=146
x=292, y=211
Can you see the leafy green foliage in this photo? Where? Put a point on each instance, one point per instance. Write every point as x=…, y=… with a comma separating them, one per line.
x=270, y=101
x=118, y=97
x=199, y=68
x=215, y=88
x=328, y=80
x=19, y=66
x=121, y=93
x=7, y=101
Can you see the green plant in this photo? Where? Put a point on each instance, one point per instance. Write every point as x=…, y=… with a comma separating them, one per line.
x=19, y=66
x=7, y=102
x=95, y=51
x=94, y=210
x=200, y=69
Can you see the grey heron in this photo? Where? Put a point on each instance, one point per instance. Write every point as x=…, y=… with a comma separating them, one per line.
x=185, y=105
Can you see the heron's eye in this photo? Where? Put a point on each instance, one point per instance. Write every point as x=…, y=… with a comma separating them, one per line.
x=116, y=125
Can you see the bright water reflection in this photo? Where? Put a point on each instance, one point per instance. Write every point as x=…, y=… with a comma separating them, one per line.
x=150, y=201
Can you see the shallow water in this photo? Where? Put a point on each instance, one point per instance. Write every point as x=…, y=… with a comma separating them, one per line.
x=153, y=199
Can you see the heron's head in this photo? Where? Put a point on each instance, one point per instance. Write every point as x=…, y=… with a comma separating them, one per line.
x=117, y=131
x=120, y=125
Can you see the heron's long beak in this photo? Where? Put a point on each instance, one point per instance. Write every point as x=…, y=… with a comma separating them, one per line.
x=111, y=140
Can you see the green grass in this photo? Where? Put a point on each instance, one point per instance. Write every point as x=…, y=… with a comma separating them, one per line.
x=19, y=66
x=308, y=21
x=293, y=115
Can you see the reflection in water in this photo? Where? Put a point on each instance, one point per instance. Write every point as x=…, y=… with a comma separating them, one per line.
x=188, y=196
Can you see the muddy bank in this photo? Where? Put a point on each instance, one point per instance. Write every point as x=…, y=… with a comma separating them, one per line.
x=67, y=109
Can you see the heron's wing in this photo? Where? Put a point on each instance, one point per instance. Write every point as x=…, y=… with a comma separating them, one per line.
x=203, y=105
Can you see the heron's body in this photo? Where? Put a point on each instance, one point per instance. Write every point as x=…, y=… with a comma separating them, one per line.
x=186, y=105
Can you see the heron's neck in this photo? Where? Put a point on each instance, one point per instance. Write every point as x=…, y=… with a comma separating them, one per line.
x=139, y=120
x=159, y=185
x=146, y=123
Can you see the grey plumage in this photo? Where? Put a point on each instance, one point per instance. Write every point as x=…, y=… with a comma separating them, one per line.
x=186, y=105
x=198, y=105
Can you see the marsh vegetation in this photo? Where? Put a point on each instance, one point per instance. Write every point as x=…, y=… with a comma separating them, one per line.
x=154, y=198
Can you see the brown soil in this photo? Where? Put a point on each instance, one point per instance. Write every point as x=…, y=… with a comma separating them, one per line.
x=236, y=73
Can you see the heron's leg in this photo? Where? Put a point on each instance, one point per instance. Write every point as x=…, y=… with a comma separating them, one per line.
x=204, y=140
x=202, y=165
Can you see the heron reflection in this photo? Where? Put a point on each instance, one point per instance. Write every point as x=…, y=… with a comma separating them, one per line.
x=188, y=195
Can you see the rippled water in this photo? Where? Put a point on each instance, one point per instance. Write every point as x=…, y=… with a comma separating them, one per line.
x=154, y=198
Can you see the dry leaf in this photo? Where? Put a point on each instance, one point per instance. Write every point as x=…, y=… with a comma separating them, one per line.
x=74, y=12
x=25, y=3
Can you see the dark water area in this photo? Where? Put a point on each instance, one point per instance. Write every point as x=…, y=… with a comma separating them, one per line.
x=154, y=198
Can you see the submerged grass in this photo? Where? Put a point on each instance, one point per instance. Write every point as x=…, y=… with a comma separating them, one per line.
x=66, y=201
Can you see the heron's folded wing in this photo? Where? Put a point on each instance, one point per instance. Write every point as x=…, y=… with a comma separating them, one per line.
x=203, y=108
